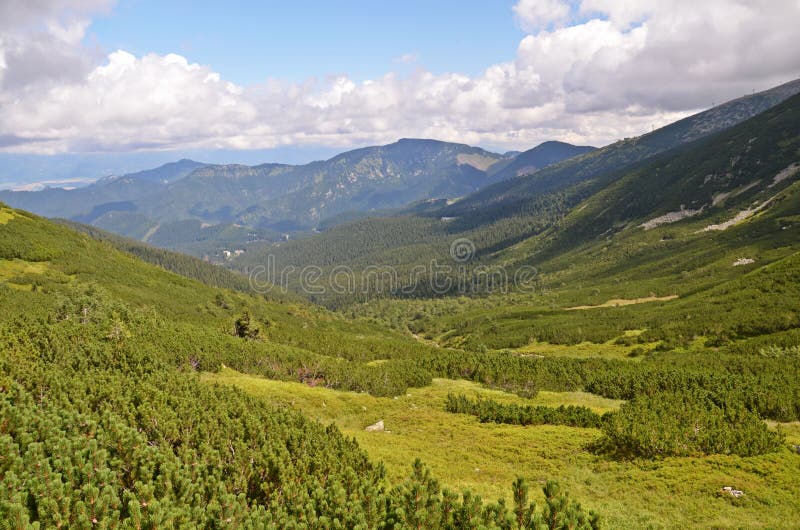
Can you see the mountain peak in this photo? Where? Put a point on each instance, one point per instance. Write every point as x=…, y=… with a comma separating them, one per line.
x=169, y=172
x=543, y=155
x=420, y=141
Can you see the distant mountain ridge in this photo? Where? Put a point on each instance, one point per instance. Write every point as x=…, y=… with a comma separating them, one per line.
x=169, y=172
x=187, y=204
x=101, y=195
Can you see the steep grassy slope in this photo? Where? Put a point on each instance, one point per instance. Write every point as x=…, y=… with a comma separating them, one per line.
x=509, y=197
x=41, y=259
x=742, y=168
x=182, y=264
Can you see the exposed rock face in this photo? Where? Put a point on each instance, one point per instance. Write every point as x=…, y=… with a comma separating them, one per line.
x=671, y=217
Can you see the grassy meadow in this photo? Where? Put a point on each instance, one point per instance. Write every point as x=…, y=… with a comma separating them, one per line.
x=486, y=458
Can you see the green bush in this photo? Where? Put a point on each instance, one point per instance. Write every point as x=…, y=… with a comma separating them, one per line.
x=689, y=423
x=487, y=410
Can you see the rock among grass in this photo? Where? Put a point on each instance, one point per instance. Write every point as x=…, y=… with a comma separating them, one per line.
x=733, y=492
x=375, y=427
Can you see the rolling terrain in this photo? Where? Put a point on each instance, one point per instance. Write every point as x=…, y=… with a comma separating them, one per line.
x=527, y=265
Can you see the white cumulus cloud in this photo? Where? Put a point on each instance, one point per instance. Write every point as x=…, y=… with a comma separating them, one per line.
x=537, y=14
x=623, y=67
x=407, y=58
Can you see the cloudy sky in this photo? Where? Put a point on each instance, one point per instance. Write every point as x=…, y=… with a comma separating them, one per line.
x=88, y=76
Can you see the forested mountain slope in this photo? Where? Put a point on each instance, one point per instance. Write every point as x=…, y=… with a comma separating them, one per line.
x=747, y=172
x=182, y=264
x=288, y=197
x=697, y=246
x=735, y=177
x=202, y=209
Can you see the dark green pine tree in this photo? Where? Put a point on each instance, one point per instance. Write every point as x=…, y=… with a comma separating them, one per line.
x=246, y=328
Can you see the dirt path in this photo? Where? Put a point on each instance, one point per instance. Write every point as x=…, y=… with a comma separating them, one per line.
x=150, y=233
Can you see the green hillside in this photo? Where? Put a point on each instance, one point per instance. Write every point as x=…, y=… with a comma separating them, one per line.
x=182, y=264
x=672, y=284
x=113, y=360
x=104, y=421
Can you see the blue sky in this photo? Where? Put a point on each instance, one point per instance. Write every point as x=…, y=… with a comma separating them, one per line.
x=247, y=42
